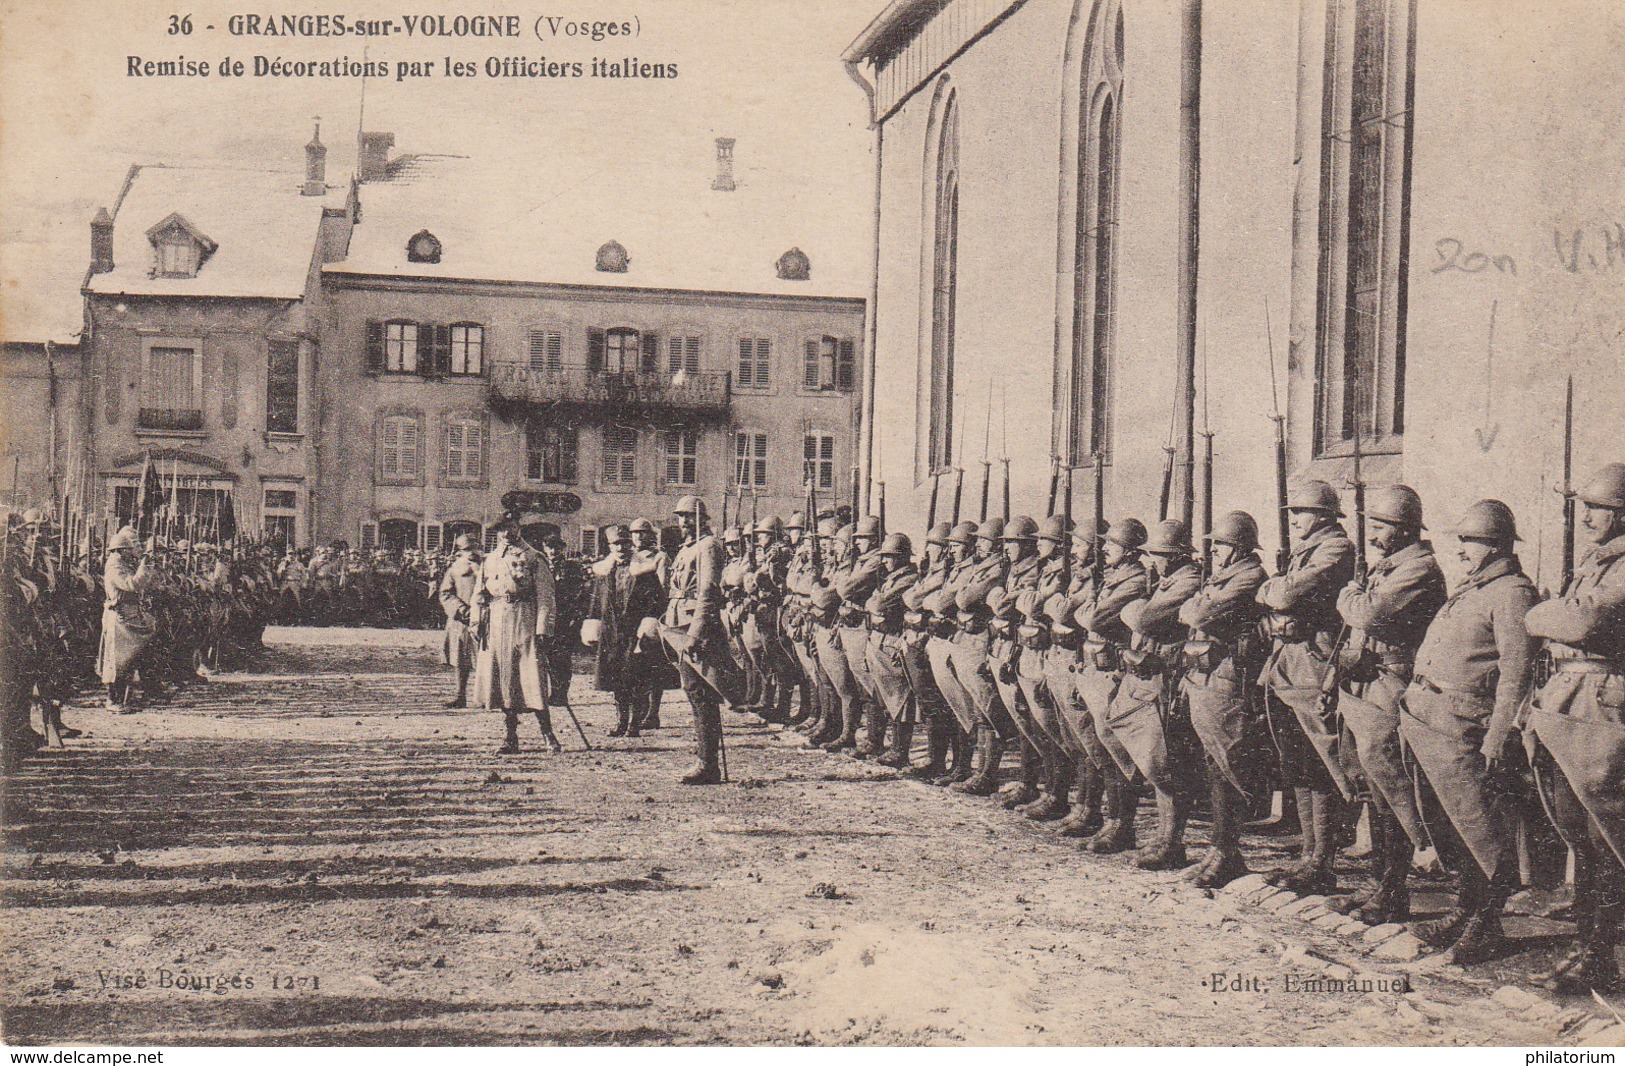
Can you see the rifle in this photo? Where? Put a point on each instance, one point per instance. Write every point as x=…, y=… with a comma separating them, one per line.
x=1360, y=567
x=1066, y=533
x=1207, y=468
x=1568, y=487
x=1004, y=448
x=856, y=470
x=1055, y=482
x=987, y=464
x=1283, y=555
x=1099, y=518
x=1167, y=482
x=880, y=505
x=931, y=513
x=750, y=540
x=812, y=509
x=959, y=490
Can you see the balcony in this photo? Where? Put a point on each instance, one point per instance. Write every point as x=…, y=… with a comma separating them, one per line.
x=169, y=420
x=522, y=388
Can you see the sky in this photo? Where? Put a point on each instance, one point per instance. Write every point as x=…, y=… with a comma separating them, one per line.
x=72, y=121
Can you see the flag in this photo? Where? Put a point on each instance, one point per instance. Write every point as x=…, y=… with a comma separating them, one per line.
x=149, y=498
x=227, y=527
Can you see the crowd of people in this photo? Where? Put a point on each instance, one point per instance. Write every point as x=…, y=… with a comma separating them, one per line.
x=1121, y=668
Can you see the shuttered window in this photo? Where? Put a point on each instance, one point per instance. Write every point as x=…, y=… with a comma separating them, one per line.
x=620, y=465
x=465, y=439
x=683, y=354
x=550, y=453
x=830, y=364
x=282, y=387
x=622, y=351
x=750, y=460
x=755, y=356
x=818, y=460
x=401, y=347
x=546, y=349
x=682, y=448
x=171, y=392
x=467, y=349
x=398, y=447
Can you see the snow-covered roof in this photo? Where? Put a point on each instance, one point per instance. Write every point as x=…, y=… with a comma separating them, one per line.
x=544, y=220
x=265, y=232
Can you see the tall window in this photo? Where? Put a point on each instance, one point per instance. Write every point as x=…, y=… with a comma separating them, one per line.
x=620, y=455
x=172, y=388
x=818, y=460
x=280, y=511
x=401, y=347
x=282, y=387
x=750, y=460
x=398, y=447
x=550, y=453
x=465, y=449
x=546, y=349
x=177, y=256
x=683, y=354
x=1094, y=282
x=467, y=348
x=830, y=364
x=682, y=448
x=944, y=237
x=621, y=351
x=755, y=357
x=1364, y=239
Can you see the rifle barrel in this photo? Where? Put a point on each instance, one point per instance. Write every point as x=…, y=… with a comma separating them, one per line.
x=1283, y=525
x=936, y=488
x=959, y=491
x=1006, y=462
x=1207, y=504
x=1054, y=484
x=1568, y=484
x=987, y=477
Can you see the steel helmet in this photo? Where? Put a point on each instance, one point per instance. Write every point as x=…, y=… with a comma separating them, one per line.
x=690, y=505
x=1081, y=534
x=1314, y=495
x=1053, y=528
x=963, y=533
x=1127, y=533
x=845, y=532
x=1606, y=488
x=1397, y=505
x=1237, y=529
x=828, y=528
x=1171, y=538
x=939, y=533
x=732, y=535
x=897, y=544
x=124, y=540
x=797, y=521
x=868, y=526
x=642, y=525
x=992, y=529
x=463, y=543
x=616, y=535
x=771, y=524
x=33, y=517
x=1021, y=528
x=1487, y=520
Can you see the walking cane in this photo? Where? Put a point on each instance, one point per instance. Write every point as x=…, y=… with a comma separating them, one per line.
x=722, y=750
x=569, y=710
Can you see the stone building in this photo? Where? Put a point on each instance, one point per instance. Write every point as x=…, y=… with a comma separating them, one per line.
x=1098, y=215
x=201, y=339
x=600, y=350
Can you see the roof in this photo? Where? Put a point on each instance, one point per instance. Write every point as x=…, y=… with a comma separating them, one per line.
x=264, y=230
x=39, y=291
x=892, y=28
x=544, y=220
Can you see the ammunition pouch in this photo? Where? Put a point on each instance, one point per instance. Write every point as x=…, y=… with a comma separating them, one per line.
x=1033, y=638
x=1142, y=662
x=1204, y=656
x=1103, y=656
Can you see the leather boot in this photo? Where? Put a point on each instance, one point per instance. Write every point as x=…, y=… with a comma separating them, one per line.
x=803, y=703
x=1319, y=876
x=827, y=726
x=1223, y=862
x=1481, y=938
x=708, y=745
x=1086, y=820
x=653, y=719
x=1054, y=805
x=937, y=742
x=874, y=732
x=1168, y=851
x=1391, y=901
x=1031, y=771
x=985, y=781
x=544, y=718
x=851, y=719
x=510, y=721
x=959, y=748
x=1300, y=868
x=902, y=737
x=1117, y=834
x=623, y=718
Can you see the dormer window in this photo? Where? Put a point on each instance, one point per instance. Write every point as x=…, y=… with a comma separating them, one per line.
x=424, y=247
x=794, y=266
x=612, y=258
x=179, y=248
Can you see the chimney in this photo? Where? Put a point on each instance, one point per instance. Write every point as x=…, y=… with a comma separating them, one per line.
x=101, y=242
x=725, y=165
x=316, y=164
x=374, y=160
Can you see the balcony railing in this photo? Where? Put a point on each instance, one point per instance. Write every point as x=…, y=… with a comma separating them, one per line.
x=698, y=392
x=163, y=418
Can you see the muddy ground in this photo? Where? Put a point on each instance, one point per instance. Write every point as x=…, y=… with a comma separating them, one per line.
x=322, y=830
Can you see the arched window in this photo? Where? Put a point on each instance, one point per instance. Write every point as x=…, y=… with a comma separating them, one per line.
x=1089, y=374
x=943, y=228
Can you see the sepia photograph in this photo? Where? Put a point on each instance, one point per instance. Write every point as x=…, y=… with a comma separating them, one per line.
x=813, y=523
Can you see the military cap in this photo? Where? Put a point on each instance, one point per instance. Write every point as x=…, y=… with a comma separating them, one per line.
x=868, y=526
x=617, y=535
x=689, y=505
x=897, y=544
x=509, y=522
x=1171, y=538
x=771, y=524
x=1127, y=533
x=642, y=525
x=1237, y=529
x=732, y=535
x=963, y=533
x=124, y=540
x=992, y=529
x=1021, y=528
x=939, y=533
x=828, y=528
x=797, y=521
x=1489, y=520
x=1397, y=505
x=1314, y=495
x=463, y=543
x=1606, y=488
x=1053, y=528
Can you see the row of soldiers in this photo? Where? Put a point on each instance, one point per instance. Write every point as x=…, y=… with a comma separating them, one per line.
x=337, y=585
x=1118, y=668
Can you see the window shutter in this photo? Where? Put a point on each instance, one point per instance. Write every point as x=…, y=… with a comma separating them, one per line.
x=567, y=455
x=375, y=346
x=409, y=447
x=452, y=466
x=442, y=348
x=369, y=534
x=747, y=365
x=390, y=460
x=536, y=349
x=595, y=351
x=809, y=369
x=651, y=353
x=846, y=366
x=425, y=349
x=555, y=351
x=475, y=443
x=674, y=354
